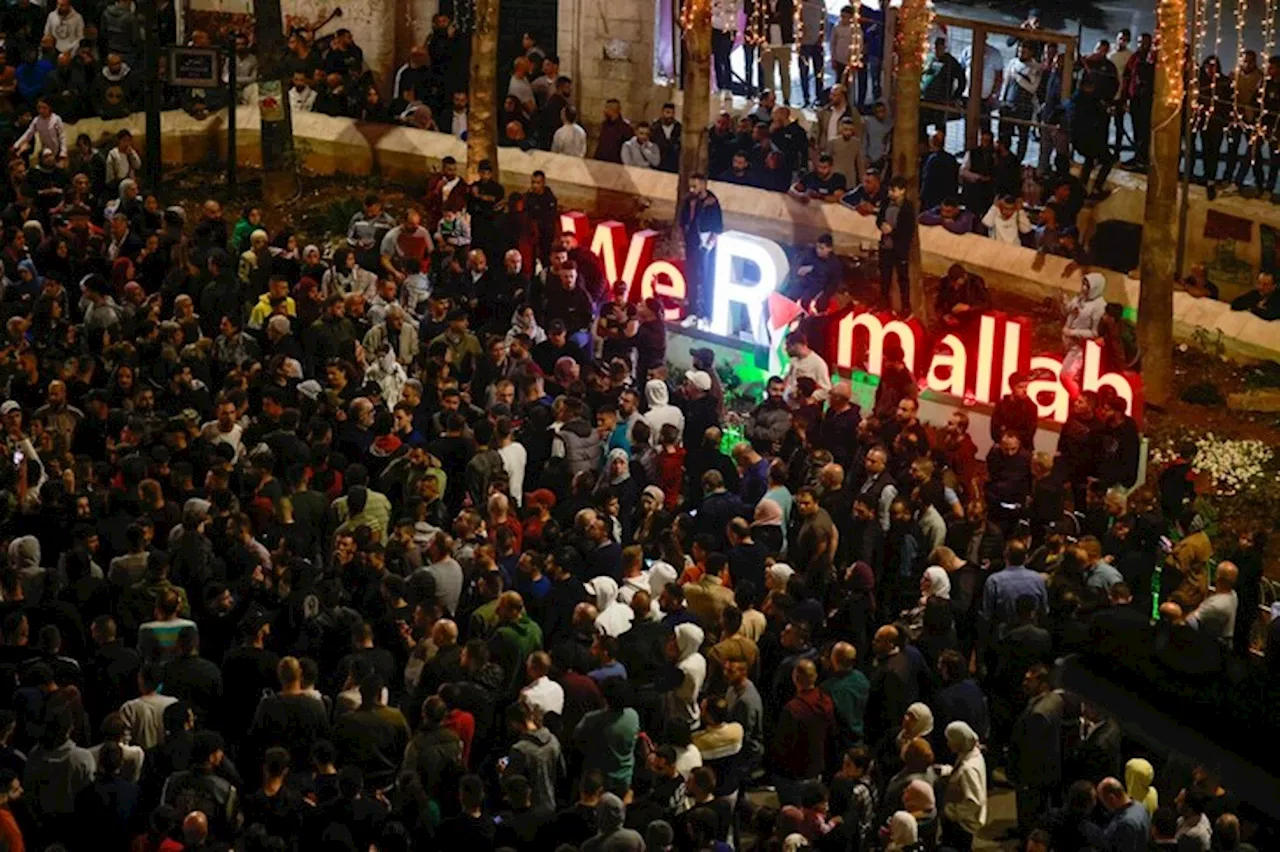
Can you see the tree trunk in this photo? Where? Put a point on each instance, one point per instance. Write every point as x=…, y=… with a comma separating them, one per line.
x=912, y=34
x=279, y=162
x=153, y=161
x=696, y=21
x=1159, y=235
x=482, y=118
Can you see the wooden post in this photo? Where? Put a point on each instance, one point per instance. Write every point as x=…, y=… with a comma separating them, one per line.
x=912, y=33
x=695, y=21
x=482, y=116
x=1159, y=235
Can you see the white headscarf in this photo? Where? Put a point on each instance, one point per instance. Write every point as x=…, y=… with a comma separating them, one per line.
x=903, y=831
x=936, y=584
x=779, y=574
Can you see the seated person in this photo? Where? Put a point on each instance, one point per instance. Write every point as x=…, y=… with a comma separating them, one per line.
x=962, y=297
x=739, y=170
x=1198, y=285
x=1262, y=301
x=818, y=272
x=1006, y=221
x=1069, y=245
x=950, y=215
x=1047, y=232
x=824, y=183
x=866, y=197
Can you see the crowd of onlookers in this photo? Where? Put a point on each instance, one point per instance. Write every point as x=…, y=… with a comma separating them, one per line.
x=412, y=538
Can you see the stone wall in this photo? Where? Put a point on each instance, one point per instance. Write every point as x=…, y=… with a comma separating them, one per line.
x=584, y=27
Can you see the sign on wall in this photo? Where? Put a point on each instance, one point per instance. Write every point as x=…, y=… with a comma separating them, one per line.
x=750, y=270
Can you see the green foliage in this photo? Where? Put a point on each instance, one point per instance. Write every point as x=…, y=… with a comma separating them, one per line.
x=335, y=217
x=1209, y=342
x=1203, y=393
x=729, y=379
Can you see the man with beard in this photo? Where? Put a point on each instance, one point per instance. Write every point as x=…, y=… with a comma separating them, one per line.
x=771, y=419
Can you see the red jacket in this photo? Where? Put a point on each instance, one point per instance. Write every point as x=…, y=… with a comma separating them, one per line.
x=800, y=738
x=671, y=476
x=463, y=724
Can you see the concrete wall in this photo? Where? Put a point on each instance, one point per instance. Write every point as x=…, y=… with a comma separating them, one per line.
x=337, y=145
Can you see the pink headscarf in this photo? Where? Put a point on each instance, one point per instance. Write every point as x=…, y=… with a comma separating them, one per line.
x=768, y=514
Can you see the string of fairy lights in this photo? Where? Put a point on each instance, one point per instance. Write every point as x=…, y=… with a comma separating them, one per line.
x=1223, y=88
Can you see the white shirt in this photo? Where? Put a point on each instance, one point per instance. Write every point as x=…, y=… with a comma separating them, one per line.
x=460, y=124
x=569, y=139
x=447, y=186
x=515, y=458
x=51, y=131
x=1005, y=230
x=545, y=694
x=302, y=101
x=992, y=66
x=813, y=366
x=121, y=165
x=67, y=32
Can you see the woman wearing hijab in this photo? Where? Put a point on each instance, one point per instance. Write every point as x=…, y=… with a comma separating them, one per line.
x=965, y=812
x=917, y=765
x=767, y=527
x=650, y=520
x=126, y=202
x=313, y=265
x=524, y=322
x=345, y=277
x=1139, y=775
x=917, y=723
x=902, y=834
x=921, y=802
x=617, y=482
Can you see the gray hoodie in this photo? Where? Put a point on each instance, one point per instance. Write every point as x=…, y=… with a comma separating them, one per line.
x=611, y=836
x=1084, y=312
x=536, y=756
x=24, y=557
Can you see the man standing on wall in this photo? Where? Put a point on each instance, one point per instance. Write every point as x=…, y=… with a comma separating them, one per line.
x=701, y=222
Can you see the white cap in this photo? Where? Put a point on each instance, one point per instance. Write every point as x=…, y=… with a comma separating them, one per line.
x=700, y=379
x=9, y=406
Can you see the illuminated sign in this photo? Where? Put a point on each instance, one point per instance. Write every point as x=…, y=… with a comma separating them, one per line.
x=748, y=272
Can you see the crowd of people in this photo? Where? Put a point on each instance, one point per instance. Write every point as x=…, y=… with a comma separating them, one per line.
x=417, y=541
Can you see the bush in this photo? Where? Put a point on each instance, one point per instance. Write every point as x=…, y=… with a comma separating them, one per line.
x=1203, y=393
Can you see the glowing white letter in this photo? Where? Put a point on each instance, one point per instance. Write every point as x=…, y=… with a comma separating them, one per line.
x=736, y=253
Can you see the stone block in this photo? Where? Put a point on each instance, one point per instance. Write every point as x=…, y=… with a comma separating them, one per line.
x=1266, y=401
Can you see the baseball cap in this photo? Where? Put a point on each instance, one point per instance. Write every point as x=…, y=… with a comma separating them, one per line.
x=702, y=355
x=700, y=379
x=556, y=326
x=9, y=407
